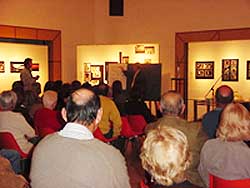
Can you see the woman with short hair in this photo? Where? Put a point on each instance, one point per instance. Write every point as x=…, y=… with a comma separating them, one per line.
x=228, y=156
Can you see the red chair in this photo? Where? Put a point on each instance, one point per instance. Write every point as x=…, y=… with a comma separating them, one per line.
x=143, y=185
x=130, y=135
x=45, y=131
x=137, y=122
x=7, y=141
x=216, y=182
x=98, y=134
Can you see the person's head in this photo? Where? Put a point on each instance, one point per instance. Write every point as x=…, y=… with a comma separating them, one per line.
x=165, y=155
x=8, y=100
x=50, y=99
x=172, y=104
x=75, y=84
x=103, y=89
x=49, y=85
x=234, y=123
x=30, y=98
x=28, y=63
x=83, y=107
x=224, y=95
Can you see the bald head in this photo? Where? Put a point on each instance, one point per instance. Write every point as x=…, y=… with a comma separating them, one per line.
x=172, y=103
x=50, y=99
x=224, y=95
x=82, y=107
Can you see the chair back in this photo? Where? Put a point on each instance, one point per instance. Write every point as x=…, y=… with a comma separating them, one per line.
x=99, y=135
x=7, y=141
x=143, y=185
x=137, y=122
x=216, y=182
x=126, y=128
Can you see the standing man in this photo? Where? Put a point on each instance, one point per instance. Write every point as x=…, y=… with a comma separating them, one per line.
x=223, y=96
x=73, y=157
x=172, y=107
x=26, y=76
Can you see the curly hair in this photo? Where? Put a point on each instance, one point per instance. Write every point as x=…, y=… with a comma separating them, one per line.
x=234, y=123
x=165, y=155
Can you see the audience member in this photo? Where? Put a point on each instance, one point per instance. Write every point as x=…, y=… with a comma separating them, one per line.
x=227, y=156
x=8, y=178
x=172, y=107
x=110, y=123
x=86, y=161
x=165, y=156
x=26, y=76
x=75, y=85
x=136, y=105
x=14, y=158
x=120, y=97
x=14, y=122
x=223, y=96
x=49, y=85
x=47, y=117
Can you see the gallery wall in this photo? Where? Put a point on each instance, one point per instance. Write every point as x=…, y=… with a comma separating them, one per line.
x=10, y=52
x=216, y=52
x=99, y=54
x=88, y=22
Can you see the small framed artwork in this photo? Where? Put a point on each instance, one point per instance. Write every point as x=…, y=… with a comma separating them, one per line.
x=125, y=59
x=204, y=69
x=230, y=69
x=35, y=67
x=16, y=66
x=248, y=70
x=139, y=49
x=149, y=49
x=96, y=72
x=2, y=68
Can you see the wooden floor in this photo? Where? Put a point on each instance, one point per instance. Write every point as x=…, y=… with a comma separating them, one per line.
x=135, y=171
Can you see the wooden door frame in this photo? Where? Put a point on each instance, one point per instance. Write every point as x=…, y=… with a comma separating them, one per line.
x=181, y=50
x=51, y=36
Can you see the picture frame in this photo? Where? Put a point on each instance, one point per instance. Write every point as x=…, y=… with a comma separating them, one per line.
x=139, y=48
x=96, y=73
x=107, y=63
x=248, y=70
x=204, y=69
x=230, y=69
x=2, y=67
x=16, y=66
x=149, y=50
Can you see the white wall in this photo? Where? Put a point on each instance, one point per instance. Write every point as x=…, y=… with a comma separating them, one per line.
x=99, y=54
x=216, y=51
x=18, y=52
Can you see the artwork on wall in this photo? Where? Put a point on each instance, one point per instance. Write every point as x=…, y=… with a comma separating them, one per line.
x=230, y=69
x=204, y=70
x=149, y=49
x=16, y=67
x=2, y=68
x=139, y=49
x=107, y=63
x=96, y=74
x=248, y=70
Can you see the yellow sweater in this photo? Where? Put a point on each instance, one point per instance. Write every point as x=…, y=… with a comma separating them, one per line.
x=111, y=116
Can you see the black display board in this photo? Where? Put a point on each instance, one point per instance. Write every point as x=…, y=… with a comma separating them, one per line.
x=152, y=73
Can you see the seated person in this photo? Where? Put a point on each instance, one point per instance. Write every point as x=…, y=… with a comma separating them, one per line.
x=47, y=117
x=14, y=122
x=227, y=156
x=73, y=157
x=8, y=178
x=165, y=156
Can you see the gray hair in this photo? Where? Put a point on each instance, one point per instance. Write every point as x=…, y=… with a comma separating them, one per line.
x=8, y=100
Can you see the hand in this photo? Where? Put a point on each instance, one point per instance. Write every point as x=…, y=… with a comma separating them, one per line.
x=37, y=77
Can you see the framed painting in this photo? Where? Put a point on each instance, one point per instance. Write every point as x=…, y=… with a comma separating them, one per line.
x=2, y=68
x=139, y=49
x=16, y=66
x=107, y=63
x=230, y=69
x=248, y=70
x=96, y=72
x=204, y=69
